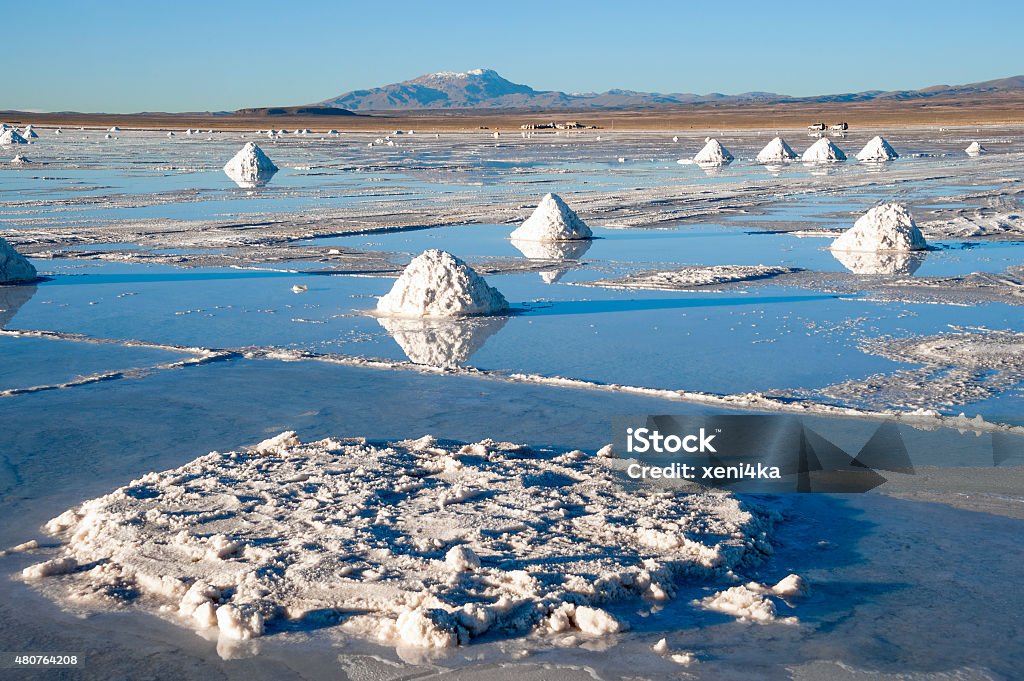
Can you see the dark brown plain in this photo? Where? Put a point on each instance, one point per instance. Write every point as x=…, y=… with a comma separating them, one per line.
x=975, y=109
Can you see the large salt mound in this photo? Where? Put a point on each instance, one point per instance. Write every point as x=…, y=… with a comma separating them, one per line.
x=552, y=220
x=823, y=151
x=11, y=136
x=713, y=154
x=975, y=148
x=250, y=167
x=413, y=544
x=878, y=149
x=29, y=133
x=776, y=151
x=437, y=284
x=888, y=227
x=14, y=267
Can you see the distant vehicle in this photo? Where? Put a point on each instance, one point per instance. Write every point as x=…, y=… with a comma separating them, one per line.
x=816, y=127
x=839, y=127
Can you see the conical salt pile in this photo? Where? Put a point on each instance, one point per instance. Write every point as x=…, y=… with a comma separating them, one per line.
x=713, y=154
x=552, y=220
x=29, y=133
x=878, y=149
x=11, y=136
x=975, y=148
x=888, y=227
x=20, y=160
x=115, y=129
x=776, y=151
x=823, y=151
x=437, y=284
x=14, y=267
x=250, y=167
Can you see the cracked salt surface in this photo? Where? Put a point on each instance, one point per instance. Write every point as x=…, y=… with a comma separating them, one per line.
x=414, y=544
x=962, y=367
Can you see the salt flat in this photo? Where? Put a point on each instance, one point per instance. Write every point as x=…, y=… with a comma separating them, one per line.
x=182, y=314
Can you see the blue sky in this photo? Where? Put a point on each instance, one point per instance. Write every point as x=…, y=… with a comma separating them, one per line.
x=182, y=56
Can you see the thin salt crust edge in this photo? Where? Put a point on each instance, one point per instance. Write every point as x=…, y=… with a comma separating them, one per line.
x=696, y=277
x=433, y=545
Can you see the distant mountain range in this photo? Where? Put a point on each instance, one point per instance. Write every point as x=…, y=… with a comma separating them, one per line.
x=486, y=89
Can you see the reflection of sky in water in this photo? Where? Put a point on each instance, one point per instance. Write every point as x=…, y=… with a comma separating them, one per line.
x=756, y=339
x=889, y=262
x=319, y=173
x=620, y=250
x=32, y=362
x=735, y=341
x=442, y=342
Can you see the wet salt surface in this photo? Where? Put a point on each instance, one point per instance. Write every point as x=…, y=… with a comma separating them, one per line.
x=617, y=250
x=863, y=570
x=758, y=337
x=746, y=339
x=83, y=164
x=83, y=178
x=853, y=579
x=30, y=362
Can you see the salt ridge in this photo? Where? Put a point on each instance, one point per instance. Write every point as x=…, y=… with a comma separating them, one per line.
x=924, y=418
